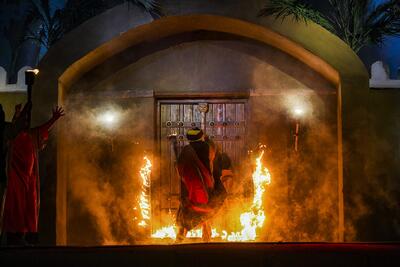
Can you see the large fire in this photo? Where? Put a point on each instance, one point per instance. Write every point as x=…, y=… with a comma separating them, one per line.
x=255, y=217
x=250, y=220
x=144, y=199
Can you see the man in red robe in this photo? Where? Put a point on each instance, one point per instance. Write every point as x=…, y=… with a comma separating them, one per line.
x=8, y=131
x=195, y=169
x=21, y=209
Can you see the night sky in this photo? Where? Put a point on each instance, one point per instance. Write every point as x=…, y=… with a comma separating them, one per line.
x=388, y=53
x=391, y=53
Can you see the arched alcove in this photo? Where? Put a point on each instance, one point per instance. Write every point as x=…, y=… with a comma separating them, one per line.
x=167, y=37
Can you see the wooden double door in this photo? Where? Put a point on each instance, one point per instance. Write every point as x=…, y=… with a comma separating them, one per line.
x=224, y=121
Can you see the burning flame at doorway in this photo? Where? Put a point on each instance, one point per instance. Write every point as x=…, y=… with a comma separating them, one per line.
x=255, y=217
x=144, y=199
x=250, y=220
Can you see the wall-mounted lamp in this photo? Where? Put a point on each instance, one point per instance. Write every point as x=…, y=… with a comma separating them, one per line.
x=298, y=113
x=29, y=81
x=108, y=119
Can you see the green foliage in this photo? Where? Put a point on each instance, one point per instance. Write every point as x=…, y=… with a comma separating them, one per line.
x=356, y=22
x=299, y=10
x=384, y=20
x=46, y=27
x=151, y=6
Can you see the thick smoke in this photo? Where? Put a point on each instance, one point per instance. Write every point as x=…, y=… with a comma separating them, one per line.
x=301, y=203
x=105, y=154
x=302, y=200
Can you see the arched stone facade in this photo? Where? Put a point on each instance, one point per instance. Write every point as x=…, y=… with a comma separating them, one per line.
x=68, y=66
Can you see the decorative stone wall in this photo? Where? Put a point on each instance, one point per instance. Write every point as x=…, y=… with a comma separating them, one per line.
x=17, y=87
x=380, y=77
x=12, y=94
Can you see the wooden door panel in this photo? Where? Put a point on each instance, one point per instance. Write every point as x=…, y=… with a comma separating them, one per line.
x=225, y=123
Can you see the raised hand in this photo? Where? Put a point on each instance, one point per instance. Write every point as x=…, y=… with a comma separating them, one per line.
x=58, y=112
x=17, y=111
x=18, y=108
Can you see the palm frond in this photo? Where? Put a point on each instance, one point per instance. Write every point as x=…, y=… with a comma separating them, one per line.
x=39, y=10
x=151, y=6
x=348, y=20
x=356, y=22
x=47, y=25
x=51, y=26
x=299, y=9
x=384, y=20
x=389, y=7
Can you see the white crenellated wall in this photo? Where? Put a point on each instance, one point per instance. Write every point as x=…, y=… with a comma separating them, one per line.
x=17, y=87
x=380, y=77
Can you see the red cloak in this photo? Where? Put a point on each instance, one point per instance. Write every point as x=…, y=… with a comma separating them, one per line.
x=196, y=178
x=21, y=210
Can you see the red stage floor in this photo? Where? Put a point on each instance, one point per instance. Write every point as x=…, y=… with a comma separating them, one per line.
x=214, y=254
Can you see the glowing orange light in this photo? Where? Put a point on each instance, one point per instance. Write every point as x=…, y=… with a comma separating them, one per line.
x=255, y=217
x=250, y=220
x=144, y=199
x=35, y=71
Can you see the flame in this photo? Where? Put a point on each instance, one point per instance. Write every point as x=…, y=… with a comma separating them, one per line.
x=171, y=231
x=144, y=199
x=255, y=217
x=250, y=220
x=166, y=232
x=35, y=71
x=195, y=233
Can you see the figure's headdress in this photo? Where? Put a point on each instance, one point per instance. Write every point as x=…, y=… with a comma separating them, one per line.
x=194, y=134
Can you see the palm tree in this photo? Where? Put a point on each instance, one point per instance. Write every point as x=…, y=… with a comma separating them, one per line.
x=356, y=22
x=151, y=6
x=49, y=26
x=45, y=25
x=14, y=28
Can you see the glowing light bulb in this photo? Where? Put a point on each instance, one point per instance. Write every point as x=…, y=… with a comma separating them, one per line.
x=108, y=119
x=298, y=111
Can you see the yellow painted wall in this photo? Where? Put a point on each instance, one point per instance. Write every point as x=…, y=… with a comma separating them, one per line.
x=9, y=100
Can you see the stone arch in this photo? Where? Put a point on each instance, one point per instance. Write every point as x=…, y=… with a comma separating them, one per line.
x=172, y=25
x=178, y=24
